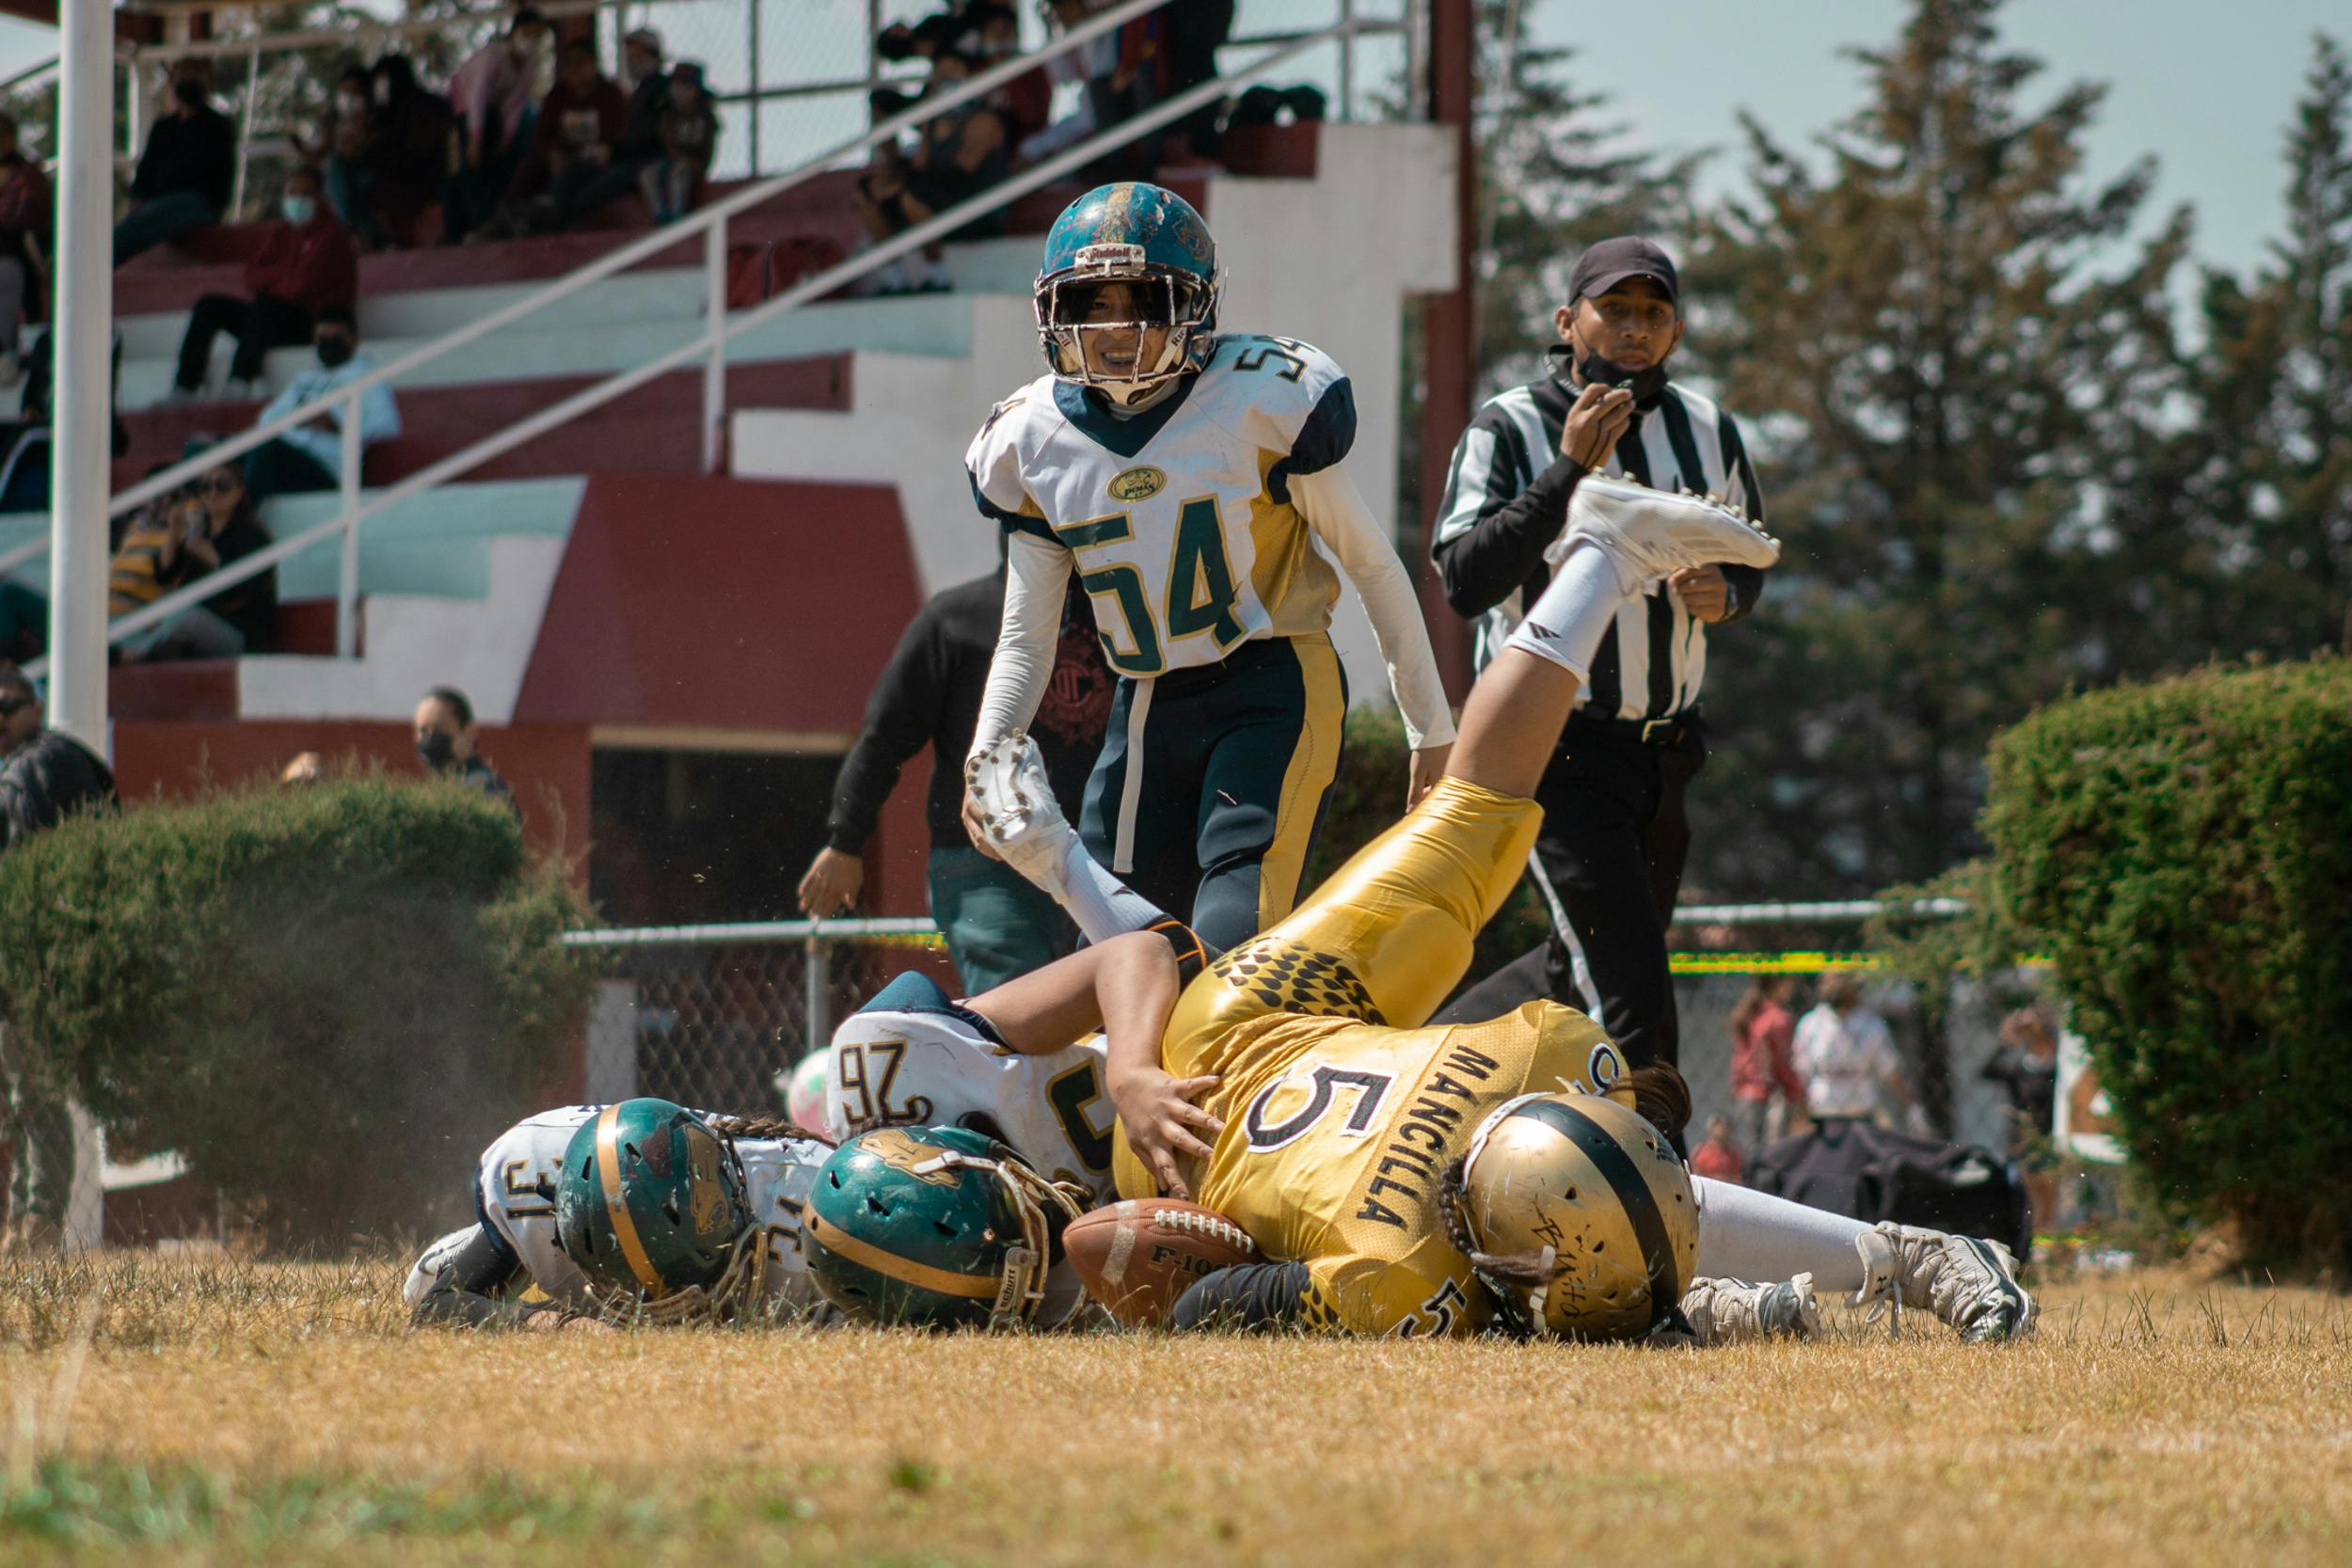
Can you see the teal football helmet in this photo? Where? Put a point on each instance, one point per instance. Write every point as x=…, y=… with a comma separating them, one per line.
x=652, y=1205
x=935, y=1226
x=1146, y=237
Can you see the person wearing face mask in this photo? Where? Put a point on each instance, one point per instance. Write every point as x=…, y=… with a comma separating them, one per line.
x=183, y=176
x=1610, y=855
x=493, y=96
x=446, y=745
x=306, y=264
x=311, y=456
x=344, y=154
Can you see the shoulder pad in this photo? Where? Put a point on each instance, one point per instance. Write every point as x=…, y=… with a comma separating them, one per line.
x=1287, y=397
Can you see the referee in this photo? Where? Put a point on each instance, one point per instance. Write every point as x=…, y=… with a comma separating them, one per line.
x=1615, y=836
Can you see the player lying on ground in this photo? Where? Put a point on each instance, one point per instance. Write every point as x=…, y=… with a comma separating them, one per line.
x=709, y=1207
x=1417, y=1180
x=1188, y=477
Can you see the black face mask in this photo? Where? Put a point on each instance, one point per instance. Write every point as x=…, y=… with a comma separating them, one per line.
x=190, y=93
x=1597, y=371
x=334, y=350
x=434, y=750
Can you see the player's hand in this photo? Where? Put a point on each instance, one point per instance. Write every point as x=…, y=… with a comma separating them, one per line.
x=832, y=884
x=1423, y=769
x=975, y=828
x=1595, y=420
x=1705, y=592
x=1160, y=1118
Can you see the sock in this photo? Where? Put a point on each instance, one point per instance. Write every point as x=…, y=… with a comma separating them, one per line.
x=1101, y=905
x=1575, y=610
x=1745, y=1234
x=936, y=272
x=890, y=275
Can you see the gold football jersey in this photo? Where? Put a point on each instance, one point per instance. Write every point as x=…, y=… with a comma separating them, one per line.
x=1336, y=1133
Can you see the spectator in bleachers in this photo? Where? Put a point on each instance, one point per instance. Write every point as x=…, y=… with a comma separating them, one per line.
x=211, y=526
x=311, y=456
x=449, y=748
x=689, y=138
x=408, y=160
x=24, y=443
x=27, y=224
x=182, y=179
x=648, y=81
x=346, y=153
x=305, y=265
x=492, y=96
x=570, y=173
x=957, y=155
x=1194, y=31
x=1116, y=70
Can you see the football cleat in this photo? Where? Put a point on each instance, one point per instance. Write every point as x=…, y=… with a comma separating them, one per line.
x=1733, y=1311
x=1019, y=816
x=1970, y=1284
x=1657, y=533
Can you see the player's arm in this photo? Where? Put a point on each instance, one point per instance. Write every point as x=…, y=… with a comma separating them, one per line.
x=1037, y=579
x=1251, y=1297
x=461, y=1280
x=1334, y=507
x=899, y=717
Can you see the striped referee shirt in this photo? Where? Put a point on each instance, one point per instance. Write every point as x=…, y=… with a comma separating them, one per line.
x=1506, y=499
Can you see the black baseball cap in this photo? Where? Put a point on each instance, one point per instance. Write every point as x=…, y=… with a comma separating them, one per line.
x=1605, y=265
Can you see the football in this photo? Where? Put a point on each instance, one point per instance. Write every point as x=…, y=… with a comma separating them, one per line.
x=1137, y=1256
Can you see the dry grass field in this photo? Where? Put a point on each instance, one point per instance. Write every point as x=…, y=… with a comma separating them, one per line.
x=215, y=1410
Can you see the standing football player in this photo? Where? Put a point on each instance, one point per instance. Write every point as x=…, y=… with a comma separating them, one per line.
x=1192, y=482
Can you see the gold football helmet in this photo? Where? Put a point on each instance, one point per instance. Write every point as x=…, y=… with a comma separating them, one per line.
x=1579, y=1217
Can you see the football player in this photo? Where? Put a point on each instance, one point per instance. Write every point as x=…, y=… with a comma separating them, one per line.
x=737, y=1186
x=1418, y=1181
x=1192, y=482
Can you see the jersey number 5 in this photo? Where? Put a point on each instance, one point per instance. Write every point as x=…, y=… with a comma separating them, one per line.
x=1200, y=586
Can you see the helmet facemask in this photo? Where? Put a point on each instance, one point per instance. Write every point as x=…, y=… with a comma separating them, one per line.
x=1178, y=309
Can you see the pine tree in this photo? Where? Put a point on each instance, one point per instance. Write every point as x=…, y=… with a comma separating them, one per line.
x=1950, y=400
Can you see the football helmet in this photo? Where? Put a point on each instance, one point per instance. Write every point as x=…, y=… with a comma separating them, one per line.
x=1580, y=1216
x=937, y=1226
x=652, y=1205
x=1141, y=235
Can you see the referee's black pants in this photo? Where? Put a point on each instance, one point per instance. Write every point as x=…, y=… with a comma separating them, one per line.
x=1613, y=847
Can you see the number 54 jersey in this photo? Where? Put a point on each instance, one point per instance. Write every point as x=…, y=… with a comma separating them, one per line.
x=1179, y=519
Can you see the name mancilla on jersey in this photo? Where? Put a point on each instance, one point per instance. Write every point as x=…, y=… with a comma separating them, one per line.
x=1179, y=518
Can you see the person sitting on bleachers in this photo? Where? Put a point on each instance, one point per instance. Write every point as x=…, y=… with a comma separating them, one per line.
x=957, y=155
x=409, y=158
x=570, y=173
x=346, y=153
x=648, y=83
x=311, y=456
x=491, y=95
x=182, y=179
x=192, y=535
x=27, y=225
x=305, y=265
x=689, y=136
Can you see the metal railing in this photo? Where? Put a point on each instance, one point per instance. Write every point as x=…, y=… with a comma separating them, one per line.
x=710, y=223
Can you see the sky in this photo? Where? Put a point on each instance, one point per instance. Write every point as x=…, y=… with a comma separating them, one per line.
x=2207, y=93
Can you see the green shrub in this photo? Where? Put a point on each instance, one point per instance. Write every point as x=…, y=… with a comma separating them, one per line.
x=2184, y=852
x=327, y=999
x=1368, y=796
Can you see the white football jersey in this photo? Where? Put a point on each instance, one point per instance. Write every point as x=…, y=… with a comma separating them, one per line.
x=938, y=1068
x=516, y=1192
x=1179, y=518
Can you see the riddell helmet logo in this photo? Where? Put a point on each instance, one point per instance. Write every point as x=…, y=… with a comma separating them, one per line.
x=1137, y=484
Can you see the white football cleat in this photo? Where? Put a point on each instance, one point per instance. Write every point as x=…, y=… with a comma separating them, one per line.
x=1657, y=533
x=1019, y=816
x=1732, y=1311
x=1970, y=1284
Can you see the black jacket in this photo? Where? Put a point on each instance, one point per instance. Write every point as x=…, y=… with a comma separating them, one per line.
x=930, y=691
x=197, y=154
x=46, y=779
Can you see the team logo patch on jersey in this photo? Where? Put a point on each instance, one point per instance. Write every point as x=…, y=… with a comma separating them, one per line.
x=1298, y=980
x=1137, y=484
x=1603, y=1068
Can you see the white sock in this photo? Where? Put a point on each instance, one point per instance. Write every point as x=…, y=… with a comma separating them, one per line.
x=936, y=272
x=1745, y=1234
x=1576, y=609
x=890, y=275
x=1101, y=905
